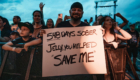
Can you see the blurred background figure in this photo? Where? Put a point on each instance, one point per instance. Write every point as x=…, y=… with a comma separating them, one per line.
x=133, y=44
x=85, y=21
x=4, y=32
x=98, y=19
x=14, y=26
x=50, y=23
x=14, y=35
x=38, y=23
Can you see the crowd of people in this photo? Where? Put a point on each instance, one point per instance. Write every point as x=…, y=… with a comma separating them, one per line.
x=31, y=33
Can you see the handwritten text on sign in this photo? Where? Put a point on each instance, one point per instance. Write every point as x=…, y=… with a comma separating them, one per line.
x=69, y=51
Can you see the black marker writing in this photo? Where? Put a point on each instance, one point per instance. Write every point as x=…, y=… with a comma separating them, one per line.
x=54, y=47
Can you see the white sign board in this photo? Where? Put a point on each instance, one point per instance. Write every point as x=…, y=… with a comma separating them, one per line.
x=69, y=51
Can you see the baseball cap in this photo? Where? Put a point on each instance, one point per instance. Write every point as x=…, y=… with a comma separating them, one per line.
x=14, y=32
x=77, y=5
x=26, y=24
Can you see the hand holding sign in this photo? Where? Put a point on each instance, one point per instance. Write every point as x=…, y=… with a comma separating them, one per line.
x=42, y=32
x=103, y=31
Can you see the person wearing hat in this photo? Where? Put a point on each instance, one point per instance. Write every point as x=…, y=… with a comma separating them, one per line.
x=25, y=36
x=133, y=43
x=14, y=35
x=76, y=13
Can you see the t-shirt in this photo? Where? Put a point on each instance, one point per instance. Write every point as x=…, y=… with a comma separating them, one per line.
x=67, y=24
x=133, y=40
x=75, y=77
x=5, y=33
x=20, y=40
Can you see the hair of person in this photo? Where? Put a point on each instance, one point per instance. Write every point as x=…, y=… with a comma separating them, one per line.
x=39, y=12
x=18, y=17
x=14, y=33
x=99, y=16
x=132, y=25
x=85, y=20
x=52, y=23
x=6, y=26
x=102, y=21
x=2, y=19
x=42, y=22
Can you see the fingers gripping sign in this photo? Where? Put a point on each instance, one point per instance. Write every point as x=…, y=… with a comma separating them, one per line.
x=103, y=31
x=42, y=32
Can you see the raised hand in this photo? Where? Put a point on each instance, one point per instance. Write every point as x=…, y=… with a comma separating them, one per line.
x=41, y=5
x=66, y=17
x=118, y=14
x=42, y=32
x=90, y=20
x=103, y=31
x=115, y=24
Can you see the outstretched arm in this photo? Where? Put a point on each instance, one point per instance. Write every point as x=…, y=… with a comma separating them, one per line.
x=41, y=5
x=8, y=47
x=4, y=39
x=31, y=43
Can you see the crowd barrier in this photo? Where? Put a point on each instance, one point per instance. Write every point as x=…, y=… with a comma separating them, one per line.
x=116, y=60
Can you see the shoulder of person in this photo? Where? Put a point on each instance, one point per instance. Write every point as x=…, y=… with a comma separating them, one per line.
x=19, y=38
x=63, y=23
x=84, y=24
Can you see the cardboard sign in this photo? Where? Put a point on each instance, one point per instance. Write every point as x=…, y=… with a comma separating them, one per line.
x=70, y=51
